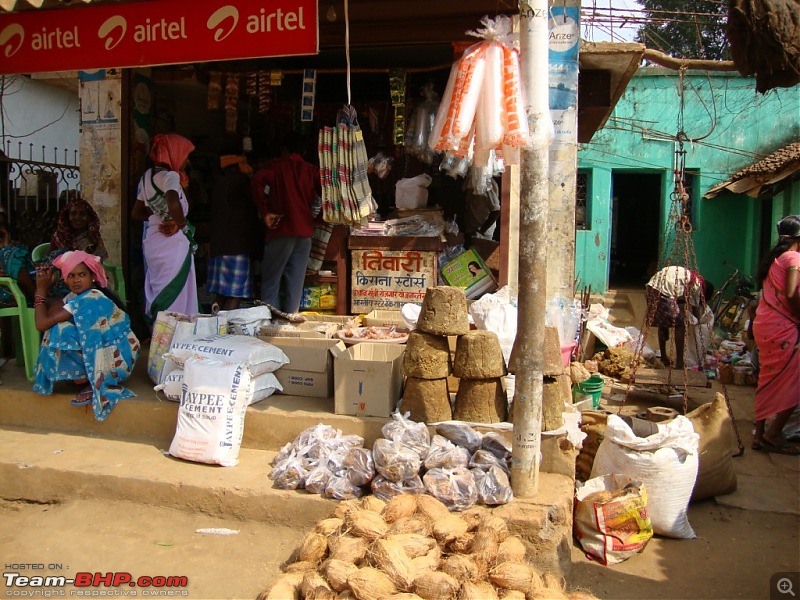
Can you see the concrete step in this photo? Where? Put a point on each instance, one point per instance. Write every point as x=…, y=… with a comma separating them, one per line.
x=51, y=467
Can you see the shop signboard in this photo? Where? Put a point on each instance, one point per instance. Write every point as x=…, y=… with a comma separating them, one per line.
x=136, y=34
x=388, y=279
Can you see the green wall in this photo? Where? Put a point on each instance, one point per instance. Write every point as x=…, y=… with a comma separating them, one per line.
x=729, y=127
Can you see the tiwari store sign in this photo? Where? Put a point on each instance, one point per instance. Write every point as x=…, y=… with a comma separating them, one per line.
x=156, y=32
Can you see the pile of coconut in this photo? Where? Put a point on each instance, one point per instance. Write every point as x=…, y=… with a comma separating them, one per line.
x=412, y=547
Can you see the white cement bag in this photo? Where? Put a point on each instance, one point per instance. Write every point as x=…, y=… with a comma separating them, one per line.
x=172, y=327
x=261, y=386
x=259, y=356
x=211, y=415
x=247, y=321
x=665, y=462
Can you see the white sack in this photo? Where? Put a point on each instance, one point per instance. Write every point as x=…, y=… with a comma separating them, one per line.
x=259, y=356
x=665, y=462
x=412, y=192
x=497, y=313
x=211, y=414
x=261, y=386
x=247, y=321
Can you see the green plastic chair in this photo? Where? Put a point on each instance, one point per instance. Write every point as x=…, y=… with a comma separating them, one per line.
x=26, y=337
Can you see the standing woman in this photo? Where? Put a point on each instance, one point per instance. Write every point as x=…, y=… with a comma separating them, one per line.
x=169, y=282
x=777, y=333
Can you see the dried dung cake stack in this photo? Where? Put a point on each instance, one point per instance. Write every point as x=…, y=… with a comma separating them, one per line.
x=480, y=366
x=426, y=364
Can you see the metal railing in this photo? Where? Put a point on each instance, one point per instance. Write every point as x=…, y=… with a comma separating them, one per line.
x=33, y=190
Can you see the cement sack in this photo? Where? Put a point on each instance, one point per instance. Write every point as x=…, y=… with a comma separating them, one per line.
x=665, y=463
x=247, y=321
x=259, y=356
x=172, y=327
x=611, y=520
x=262, y=386
x=212, y=411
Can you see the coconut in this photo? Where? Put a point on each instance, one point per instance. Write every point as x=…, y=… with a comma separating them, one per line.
x=419, y=524
x=345, y=507
x=311, y=581
x=482, y=590
x=402, y=505
x=462, y=544
x=512, y=595
x=449, y=528
x=512, y=576
x=461, y=567
x=436, y=585
x=336, y=573
x=511, y=550
x=548, y=587
x=372, y=503
x=285, y=587
x=405, y=596
x=365, y=523
x=321, y=593
x=582, y=595
x=369, y=583
x=313, y=548
x=300, y=567
x=390, y=558
x=328, y=526
x=346, y=595
x=473, y=518
x=429, y=562
x=348, y=548
x=431, y=507
x=413, y=544
x=496, y=523
x=485, y=545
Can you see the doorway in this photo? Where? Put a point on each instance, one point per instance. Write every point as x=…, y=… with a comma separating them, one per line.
x=635, y=217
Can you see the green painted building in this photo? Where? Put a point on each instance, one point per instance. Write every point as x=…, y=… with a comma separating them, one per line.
x=626, y=181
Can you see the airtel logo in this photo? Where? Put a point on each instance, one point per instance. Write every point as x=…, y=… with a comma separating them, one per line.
x=112, y=31
x=11, y=39
x=226, y=13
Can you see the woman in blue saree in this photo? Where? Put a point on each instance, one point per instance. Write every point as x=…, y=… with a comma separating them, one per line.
x=87, y=336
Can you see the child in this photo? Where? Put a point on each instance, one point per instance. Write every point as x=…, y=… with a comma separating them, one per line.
x=87, y=336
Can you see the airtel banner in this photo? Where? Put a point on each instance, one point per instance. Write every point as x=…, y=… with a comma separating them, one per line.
x=156, y=32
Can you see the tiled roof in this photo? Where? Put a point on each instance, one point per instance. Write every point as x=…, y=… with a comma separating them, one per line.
x=751, y=179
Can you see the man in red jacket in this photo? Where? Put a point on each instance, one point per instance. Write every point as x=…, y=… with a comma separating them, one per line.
x=284, y=190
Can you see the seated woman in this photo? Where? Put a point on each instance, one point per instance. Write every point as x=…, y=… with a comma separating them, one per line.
x=87, y=336
x=15, y=262
x=78, y=228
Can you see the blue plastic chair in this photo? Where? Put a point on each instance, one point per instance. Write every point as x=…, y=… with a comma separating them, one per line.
x=26, y=338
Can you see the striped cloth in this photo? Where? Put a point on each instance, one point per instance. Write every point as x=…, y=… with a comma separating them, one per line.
x=319, y=245
x=230, y=276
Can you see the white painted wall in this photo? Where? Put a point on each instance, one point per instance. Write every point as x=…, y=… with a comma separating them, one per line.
x=41, y=114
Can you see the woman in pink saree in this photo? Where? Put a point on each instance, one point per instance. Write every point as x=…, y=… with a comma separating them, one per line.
x=169, y=282
x=777, y=333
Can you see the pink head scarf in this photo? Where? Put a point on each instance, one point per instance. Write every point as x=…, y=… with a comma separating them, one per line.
x=69, y=260
x=172, y=150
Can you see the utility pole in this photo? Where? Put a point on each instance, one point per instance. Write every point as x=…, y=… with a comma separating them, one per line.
x=532, y=300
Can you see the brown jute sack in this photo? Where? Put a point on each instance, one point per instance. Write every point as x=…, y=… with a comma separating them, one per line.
x=715, y=474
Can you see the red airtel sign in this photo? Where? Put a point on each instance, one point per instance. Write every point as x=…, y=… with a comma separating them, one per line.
x=155, y=32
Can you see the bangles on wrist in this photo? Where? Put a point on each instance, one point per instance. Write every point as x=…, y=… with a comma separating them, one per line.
x=38, y=300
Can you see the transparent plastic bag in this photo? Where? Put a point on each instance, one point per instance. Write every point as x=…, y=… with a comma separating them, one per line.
x=485, y=460
x=444, y=454
x=460, y=434
x=340, y=488
x=358, y=466
x=395, y=460
x=497, y=445
x=386, y=489
x=455, y=488
x=412, y=434
x=317, y=479
x=493, y=486
x=290, y=474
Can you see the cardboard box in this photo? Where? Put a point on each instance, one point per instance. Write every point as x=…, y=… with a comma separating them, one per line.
x=310, y=368
x=340, y=320
x=368, y=379
x=468, y=271
x=384, y=318
x=309, y=329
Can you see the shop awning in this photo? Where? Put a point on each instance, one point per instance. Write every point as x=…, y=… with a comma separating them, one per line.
x=758, y=177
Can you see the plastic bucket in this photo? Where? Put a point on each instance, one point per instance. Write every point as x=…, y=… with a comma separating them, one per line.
x=592, y=387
